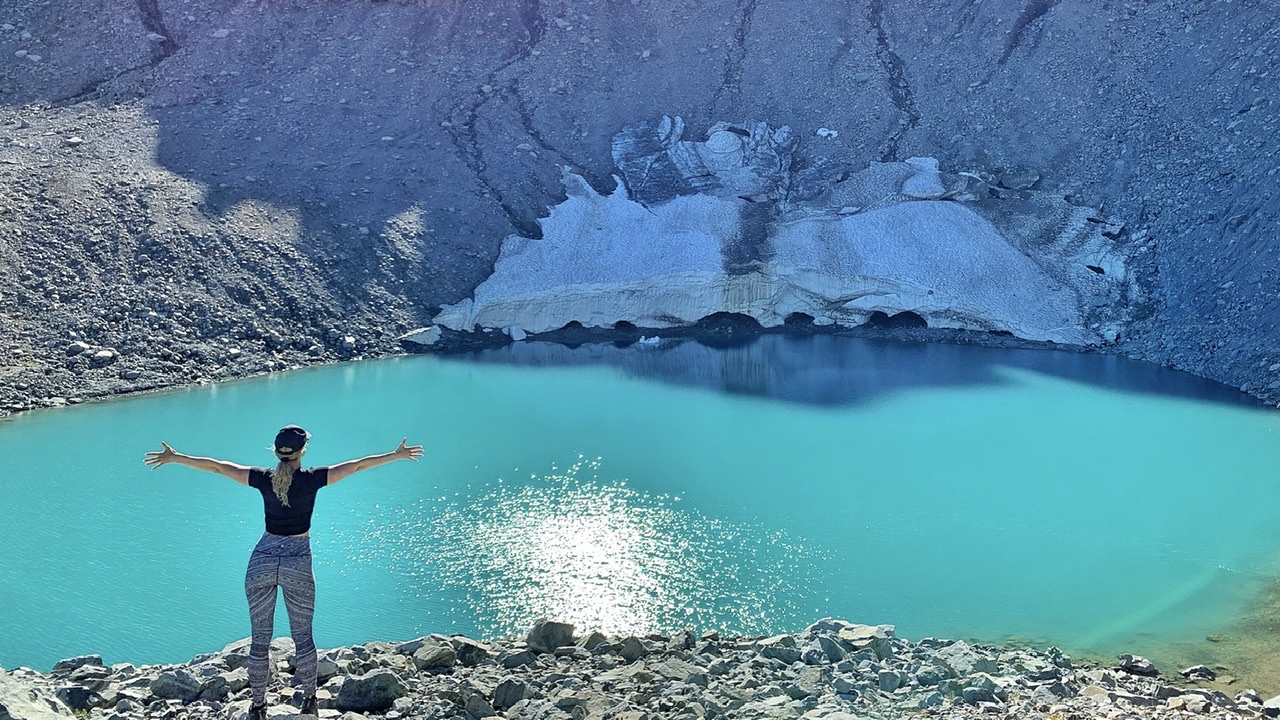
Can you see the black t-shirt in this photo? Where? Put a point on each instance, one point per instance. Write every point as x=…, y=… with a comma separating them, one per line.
x=296, y=518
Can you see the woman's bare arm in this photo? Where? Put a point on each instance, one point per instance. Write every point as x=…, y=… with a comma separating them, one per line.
x=235, y=471
x=404, y=452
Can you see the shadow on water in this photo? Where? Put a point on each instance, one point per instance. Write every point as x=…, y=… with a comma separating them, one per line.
x=833, y=370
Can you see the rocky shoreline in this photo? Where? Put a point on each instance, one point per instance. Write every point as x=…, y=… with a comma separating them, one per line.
x=833, y=669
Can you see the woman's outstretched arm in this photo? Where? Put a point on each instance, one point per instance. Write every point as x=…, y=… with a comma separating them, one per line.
x=235, y=471
x=404, y=452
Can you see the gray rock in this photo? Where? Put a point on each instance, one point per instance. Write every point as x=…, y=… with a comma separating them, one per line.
x=236, y=654
x=719, y=666
x=930, y=699
x=237, y=679
x=1248, y=697
x=868, y=641
x=477, y=707
x=176, y=684
x=783, y=654
x=469, y=652
x=75, y=348
x=846, y=688
x=94, y=677
x=931, y=675
x=435, y=658
x=889, y=680
x=127, y=706
x=832, y=648
x=519, y=659
x=78, y=697
x=19, y=701
x=632, y=648
x=810, y=682
x=1135, y=698
x=411, y=647
x=780, y=647
x=812, y=654
x=1138, y=665
x=1198, y=672
x=373, y=692
x=682, y=640
x=509, y=692
x=963, y=660
x=593, y=640
x=1039, y=670
x=974, y=695
x=75, y=663
x=217, y=686
x=140, y=694
x=547, y=635
x=675, y=669
x=926, y=183
x=325, y=669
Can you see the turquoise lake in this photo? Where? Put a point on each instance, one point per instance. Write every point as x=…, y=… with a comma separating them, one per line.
x=1084, y=501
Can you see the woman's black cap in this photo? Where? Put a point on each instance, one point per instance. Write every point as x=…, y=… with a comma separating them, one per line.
x=290, y=439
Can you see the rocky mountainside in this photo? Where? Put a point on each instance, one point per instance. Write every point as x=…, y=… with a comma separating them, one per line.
x=200, y=190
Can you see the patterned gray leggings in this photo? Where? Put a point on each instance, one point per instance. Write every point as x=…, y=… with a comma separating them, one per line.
x=284, y=562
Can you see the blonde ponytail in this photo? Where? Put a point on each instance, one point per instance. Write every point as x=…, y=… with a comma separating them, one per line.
x=282, y=478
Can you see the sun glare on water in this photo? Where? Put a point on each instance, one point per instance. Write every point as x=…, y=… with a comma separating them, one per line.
x=604, y=556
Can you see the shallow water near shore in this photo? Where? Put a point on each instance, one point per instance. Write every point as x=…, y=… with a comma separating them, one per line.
x=1084, y=501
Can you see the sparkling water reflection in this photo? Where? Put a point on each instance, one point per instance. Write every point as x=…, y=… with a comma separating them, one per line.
x=571, y=545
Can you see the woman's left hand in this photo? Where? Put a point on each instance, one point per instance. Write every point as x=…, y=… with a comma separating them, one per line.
x=156, y=458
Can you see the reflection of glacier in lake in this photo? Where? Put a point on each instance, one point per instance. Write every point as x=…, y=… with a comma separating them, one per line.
x=833, y=370
x=596, y=553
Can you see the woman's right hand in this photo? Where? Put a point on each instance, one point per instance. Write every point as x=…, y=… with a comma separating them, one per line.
x=409, y=452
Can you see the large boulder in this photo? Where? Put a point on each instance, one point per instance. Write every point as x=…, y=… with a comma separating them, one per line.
x=435, y=658
x=79, y=697
x=20, y=701
x=76, y=663
x=547, y=635
x=469, y=652
x=176, y=684
x=373, y=692
x=235, y=654
x=964, y=660
x=509, y=691
x=632, y=648
x=877, y=638
x=781, y=647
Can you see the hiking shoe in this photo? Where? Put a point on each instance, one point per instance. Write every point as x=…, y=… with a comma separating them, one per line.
x=257, y=712
x=308, y=707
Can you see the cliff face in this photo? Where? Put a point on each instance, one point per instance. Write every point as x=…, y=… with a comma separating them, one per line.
x=301, y=181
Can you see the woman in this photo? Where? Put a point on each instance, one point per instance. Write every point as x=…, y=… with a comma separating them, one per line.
x=282, y=557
